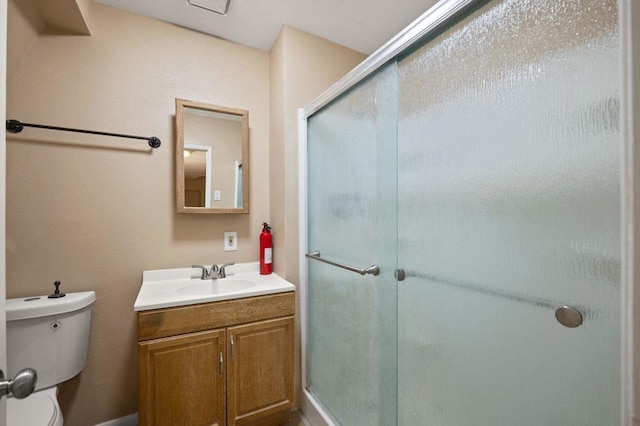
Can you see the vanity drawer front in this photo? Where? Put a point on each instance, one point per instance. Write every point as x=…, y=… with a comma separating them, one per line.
x=186, y=319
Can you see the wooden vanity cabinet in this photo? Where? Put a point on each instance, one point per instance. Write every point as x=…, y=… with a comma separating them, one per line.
x=230, y=364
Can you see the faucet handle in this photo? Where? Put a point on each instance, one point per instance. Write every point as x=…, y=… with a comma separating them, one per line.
x=222, y=272
x=205, y=274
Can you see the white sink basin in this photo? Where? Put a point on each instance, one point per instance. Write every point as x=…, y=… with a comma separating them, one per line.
x=219, y=286
x=166, y=288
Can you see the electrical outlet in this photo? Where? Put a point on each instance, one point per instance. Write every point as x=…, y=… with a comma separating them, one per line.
x=216, y=195
x=230, y=241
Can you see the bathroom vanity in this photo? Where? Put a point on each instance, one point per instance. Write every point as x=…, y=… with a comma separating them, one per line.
x=216, y=359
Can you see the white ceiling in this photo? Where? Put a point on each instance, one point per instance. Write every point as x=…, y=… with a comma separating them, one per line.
x=362, y=25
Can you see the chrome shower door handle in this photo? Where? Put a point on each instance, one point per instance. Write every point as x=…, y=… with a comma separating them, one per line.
x=21, y=386
x=372, y=270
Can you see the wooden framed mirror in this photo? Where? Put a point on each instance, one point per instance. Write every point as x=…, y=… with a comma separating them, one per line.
x=212, y=158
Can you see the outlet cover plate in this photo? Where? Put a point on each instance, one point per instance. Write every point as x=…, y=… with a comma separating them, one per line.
x=230, y=241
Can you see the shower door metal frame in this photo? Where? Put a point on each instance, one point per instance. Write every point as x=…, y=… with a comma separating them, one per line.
x=629, y=27
x=431, y=21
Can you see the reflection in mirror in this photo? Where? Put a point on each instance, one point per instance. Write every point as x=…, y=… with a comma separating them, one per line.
x=197, y=175
x=211, y=158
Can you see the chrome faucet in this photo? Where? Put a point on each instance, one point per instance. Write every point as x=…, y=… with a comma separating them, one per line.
x=206, y=273
x=215, y=272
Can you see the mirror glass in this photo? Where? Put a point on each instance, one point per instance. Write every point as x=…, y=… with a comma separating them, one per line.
x=212, y=158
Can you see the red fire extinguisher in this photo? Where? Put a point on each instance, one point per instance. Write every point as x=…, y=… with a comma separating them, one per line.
x=266, y=244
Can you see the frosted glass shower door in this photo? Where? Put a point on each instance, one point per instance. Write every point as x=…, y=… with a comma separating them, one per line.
x=351, y=362
x=508, y=209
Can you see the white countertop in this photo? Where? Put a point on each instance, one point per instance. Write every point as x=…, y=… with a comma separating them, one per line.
x=164, y=288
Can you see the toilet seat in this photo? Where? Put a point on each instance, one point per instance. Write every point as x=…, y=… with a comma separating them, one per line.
x=39, y=409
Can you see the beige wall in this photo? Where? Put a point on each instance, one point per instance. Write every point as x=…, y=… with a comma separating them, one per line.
x=94, y=212
x=25, y=24
x=302, y=67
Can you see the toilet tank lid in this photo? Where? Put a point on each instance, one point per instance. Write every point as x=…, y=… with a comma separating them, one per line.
x=40, y=306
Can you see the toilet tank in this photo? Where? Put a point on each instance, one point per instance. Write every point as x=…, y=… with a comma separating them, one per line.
x=49, y=335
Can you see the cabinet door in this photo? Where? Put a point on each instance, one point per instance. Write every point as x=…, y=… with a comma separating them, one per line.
x=260, y=372
x=181, y=380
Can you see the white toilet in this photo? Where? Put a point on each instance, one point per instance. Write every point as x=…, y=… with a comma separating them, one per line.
x=50, y=336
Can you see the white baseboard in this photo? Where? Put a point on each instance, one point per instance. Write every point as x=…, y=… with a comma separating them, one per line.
x=130, y=420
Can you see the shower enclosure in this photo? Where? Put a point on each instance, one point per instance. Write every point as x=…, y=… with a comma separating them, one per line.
x=478, y=167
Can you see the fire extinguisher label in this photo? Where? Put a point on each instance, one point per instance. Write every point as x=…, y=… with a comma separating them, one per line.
x=267, y=256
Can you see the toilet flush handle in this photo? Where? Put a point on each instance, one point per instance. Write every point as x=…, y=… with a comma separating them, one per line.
x=21, y=386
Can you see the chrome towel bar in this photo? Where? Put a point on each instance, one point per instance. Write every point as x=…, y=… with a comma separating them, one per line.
x=373, y=269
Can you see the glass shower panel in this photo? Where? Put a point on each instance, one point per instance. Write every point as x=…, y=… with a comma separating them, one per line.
x=351, y=363
x=508, y=208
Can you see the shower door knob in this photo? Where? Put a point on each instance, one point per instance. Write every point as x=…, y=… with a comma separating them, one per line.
x=569, y=317
x=21, y=386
